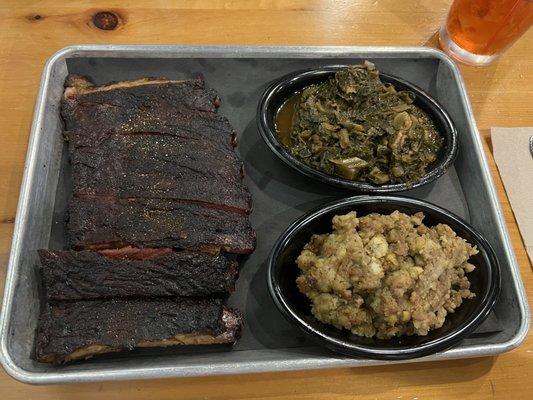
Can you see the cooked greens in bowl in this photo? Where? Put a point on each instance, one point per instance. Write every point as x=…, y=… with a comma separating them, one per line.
x=357, y=128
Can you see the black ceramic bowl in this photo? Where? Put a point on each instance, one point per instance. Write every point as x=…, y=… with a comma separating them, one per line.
x=282, y=274
x=278, y=92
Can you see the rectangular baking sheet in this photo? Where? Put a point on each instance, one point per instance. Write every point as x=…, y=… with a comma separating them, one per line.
x=240, y=74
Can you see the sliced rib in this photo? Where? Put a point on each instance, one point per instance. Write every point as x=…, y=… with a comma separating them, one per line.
x=161, y=107
x=142, y=165
x=100, y=223
x=80, y=329
x=129, y=272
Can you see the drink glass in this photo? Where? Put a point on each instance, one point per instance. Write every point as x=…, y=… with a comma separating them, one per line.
x=478, y=31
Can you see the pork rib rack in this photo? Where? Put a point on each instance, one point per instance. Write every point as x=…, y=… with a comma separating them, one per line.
x=158, y=202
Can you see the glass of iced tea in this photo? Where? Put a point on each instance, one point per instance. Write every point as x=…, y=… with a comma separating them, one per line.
x=478, y=31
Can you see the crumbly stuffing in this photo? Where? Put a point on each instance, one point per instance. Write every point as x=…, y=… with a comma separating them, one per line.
x=385, y=275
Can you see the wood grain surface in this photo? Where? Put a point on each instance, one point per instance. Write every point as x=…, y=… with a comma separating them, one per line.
x=501, y=95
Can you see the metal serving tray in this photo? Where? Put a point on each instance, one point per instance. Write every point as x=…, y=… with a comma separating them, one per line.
x=240, y=74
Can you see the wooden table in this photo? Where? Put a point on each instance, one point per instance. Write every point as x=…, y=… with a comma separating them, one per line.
x=501, y=95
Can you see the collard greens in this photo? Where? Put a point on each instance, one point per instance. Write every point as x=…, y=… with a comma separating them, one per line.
x=356, y=127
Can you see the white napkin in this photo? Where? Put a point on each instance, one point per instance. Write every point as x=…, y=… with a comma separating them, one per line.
x=515, y=163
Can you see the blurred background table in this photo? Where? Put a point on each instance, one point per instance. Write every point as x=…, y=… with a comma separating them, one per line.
x=501, y=95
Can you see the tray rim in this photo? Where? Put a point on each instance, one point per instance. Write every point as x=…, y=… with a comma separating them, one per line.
x=306, y=362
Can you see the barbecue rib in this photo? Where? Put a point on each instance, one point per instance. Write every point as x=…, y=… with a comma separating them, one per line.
x=80, y=329
x=153, y=167
x=166, y=167
x=100, y=223
x=75, y=275
x=159, y=107
x=139, y=94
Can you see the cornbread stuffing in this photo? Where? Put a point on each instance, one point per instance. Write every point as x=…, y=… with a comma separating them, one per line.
x=385, y=275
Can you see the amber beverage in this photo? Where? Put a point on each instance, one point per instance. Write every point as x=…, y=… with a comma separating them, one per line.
x=478, y=31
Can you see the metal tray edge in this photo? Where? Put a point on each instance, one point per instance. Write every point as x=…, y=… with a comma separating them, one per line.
x=311, y=363
x=229, y=51
x=20, y=226
x=496, y=206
